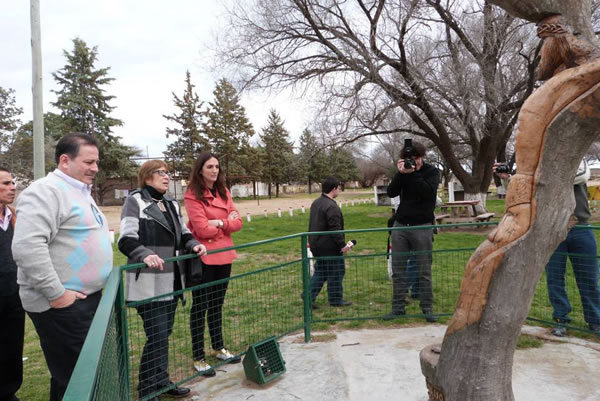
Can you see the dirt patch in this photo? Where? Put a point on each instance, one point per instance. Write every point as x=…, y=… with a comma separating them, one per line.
x=256, y=208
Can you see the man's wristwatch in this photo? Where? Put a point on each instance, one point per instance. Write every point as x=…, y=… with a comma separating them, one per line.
x=220, y=223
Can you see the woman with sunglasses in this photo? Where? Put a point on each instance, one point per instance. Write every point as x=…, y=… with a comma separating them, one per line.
x=152, y=230
x=212, y=219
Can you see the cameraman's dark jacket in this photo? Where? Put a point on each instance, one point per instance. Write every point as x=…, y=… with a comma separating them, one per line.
x=325, y=215
x=418, y=193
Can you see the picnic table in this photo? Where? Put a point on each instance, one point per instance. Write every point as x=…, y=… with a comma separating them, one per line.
x=462, y=212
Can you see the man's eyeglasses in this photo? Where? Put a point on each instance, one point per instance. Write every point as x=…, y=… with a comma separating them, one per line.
x=162, y=173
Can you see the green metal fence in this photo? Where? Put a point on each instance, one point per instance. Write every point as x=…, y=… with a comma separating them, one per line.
x=271, y=301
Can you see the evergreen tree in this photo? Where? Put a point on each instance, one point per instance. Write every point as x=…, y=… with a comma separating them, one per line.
x=190, y=139
x=81, y=99
x=9, y=121
x=228, y=129
x=343, y=165
x=251, y=162
x=19, y=156
x=278, y=151
x=312, y=159
x=85, y=108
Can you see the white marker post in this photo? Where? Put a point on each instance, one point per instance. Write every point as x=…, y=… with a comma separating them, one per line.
x=278, y=212
x=248, y=217
x=291, y=212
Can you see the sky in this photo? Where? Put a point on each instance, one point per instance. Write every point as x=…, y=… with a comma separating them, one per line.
x=148, y=46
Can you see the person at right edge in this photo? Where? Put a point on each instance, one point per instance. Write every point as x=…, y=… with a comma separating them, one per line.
x=416, y=183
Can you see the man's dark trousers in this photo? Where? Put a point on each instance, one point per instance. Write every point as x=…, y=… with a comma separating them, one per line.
x=332, y=270
x=62, y=333
x=12, y=317
x=404, y=241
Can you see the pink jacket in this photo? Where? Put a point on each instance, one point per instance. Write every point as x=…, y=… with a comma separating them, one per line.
x=212, y=237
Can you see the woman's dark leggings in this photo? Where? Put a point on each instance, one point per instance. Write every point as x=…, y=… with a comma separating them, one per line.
x=208, y=304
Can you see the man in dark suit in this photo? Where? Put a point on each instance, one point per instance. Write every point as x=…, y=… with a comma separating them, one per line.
x=325, y=215
x=12, y=315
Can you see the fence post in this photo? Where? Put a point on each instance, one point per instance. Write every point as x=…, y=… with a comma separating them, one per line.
x=121, y=316
x=306, y=298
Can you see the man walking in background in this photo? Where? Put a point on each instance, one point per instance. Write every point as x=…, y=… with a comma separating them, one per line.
x=325, y=215
x=12, y=315
x=64, y=256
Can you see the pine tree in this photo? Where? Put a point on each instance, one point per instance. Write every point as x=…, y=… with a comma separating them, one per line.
x=228, y=129
x=342, y=165
x=81, y=99
x=85, y=108
x=312, y=159
x=278, y=151
x=190, y=138
x=19, y=156
x=9, y=121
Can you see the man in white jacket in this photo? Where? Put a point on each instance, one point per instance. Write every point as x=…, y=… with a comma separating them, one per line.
x=64, y=256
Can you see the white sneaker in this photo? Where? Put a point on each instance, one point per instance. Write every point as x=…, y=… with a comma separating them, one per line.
x=224, y=355
x=204, y=368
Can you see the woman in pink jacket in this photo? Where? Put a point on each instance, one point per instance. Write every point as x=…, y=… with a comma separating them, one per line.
x=212, y=219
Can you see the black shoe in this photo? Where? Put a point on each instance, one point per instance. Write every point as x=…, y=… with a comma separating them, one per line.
x=431, y=318
x=394, y=315
x=178, y=392
x=343, y=303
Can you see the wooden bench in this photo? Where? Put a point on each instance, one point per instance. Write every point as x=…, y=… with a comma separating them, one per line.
x=484, y=216
x=439, y=219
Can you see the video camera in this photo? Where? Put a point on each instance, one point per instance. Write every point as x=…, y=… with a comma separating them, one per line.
x=503, y=168
x=409, y=154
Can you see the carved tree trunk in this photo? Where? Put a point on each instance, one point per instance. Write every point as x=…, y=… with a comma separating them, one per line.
x=556, y=126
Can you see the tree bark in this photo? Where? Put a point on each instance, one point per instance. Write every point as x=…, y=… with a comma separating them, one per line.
x=557, y=125
x=477, y=352
x=578, y=13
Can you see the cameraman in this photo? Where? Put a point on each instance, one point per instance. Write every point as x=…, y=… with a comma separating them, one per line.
x=416, y=183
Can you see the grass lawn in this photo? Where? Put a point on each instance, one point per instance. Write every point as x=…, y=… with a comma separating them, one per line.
x=275, y=289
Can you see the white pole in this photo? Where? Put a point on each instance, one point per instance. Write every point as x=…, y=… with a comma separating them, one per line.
x=278, y=212
x=265, y=212
x=303, y=211
x=248, y=217
x=291, y=212
x=36, y=80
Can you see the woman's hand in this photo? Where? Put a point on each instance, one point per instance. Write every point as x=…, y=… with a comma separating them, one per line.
x=233, y=215
x=154, y=262
x=199, y=250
